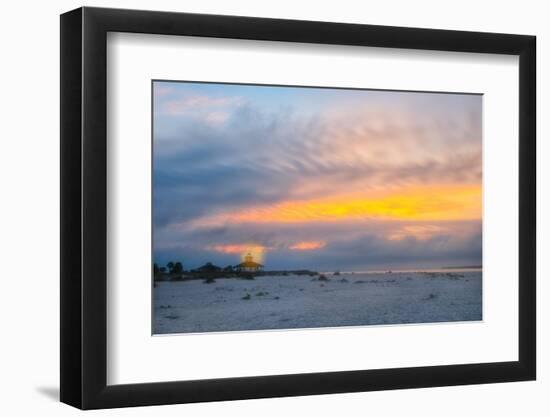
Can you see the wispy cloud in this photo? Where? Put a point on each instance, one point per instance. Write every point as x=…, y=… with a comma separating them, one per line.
x=308, y=245
x=194, y=103
x=419, y=203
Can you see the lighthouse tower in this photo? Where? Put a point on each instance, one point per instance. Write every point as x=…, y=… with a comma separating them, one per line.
x=249, y=265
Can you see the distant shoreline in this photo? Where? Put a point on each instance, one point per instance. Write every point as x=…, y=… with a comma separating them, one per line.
x=212, y=275
x=409, y=270
x=193, y=275
x=463, y=267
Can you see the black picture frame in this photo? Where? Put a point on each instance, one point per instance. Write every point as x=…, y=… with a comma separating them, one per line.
x=84, y=207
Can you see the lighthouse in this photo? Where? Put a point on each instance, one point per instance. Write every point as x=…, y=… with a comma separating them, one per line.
x=249, y=265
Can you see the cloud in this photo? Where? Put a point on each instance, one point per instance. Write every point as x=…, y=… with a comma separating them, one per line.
x=418, y=231
x=346, y=245
x=193, y=103
x=308, y=245
x=398, y=172
x=237, y=248
x=161, y=91
x=461, y=202
x=217, y=117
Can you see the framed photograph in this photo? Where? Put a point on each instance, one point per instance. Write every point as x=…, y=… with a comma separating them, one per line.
x=258, y=207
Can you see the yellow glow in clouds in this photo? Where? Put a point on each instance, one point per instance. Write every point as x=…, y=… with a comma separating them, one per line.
x=257, y=251
x=453, y=202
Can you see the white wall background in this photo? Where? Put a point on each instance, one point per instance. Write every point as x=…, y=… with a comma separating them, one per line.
x=29, y=211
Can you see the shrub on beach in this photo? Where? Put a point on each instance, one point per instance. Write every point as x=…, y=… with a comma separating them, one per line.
x=246, y=275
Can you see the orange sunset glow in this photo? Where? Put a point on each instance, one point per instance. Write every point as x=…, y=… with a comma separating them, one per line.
x=433, y=203
x=312, y=245
x=257, y=251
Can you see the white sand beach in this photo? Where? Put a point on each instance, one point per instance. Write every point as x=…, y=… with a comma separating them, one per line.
x=292, y=302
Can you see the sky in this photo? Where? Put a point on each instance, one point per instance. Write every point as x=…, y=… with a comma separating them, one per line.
x=316, y=178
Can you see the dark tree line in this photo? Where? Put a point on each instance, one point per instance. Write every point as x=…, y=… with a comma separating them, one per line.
x=171, y=268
